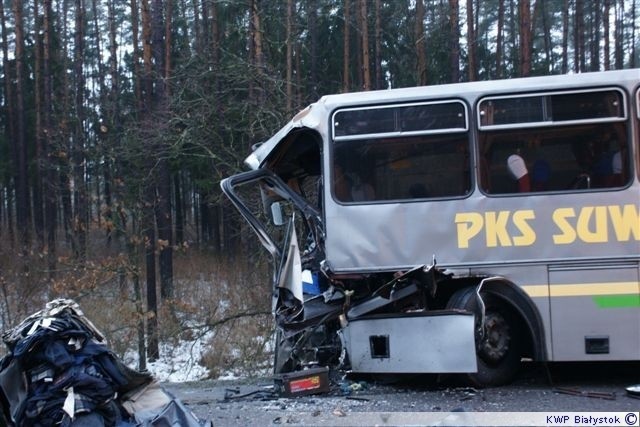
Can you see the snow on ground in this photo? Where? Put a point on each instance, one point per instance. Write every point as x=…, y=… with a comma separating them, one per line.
x=177, y=363
x=180, y=363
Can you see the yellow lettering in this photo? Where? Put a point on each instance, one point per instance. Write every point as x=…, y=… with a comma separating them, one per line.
x=568, y=234
x=469, y=225
x=528, y=236
x=590, y=225
x=626, y=222
x=497, y=229
x=599, y=233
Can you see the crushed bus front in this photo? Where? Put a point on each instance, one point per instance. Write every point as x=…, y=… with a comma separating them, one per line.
x=368, y=322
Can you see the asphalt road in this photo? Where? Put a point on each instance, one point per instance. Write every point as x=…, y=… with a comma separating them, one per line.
x=559, y=387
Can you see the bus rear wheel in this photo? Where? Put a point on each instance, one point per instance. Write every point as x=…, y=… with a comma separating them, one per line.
x=499, y=345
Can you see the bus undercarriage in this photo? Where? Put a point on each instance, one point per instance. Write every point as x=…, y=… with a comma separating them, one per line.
x=402, y=323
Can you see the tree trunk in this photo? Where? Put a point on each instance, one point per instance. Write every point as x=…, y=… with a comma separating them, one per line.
x=231, y=227
x=113, y=61
x=421, y=45
x=251, y=49
x=39, y=160
x=205, y=218
x=50, y=208
x=80, y=217
x=257, y=34
x=10, y=130
x=137, y=295
x=525, y=38
x=163, y=186
x=137, y=73
x=215, y=36
x=112, y=119
x=535, y=24
x=499, y=39
x=632, y=63
x=165, y=235
x=147, y=58
x=454, y=40
x=179, y=208
x=578, y=37
x=196, y=25
x=514, y=56
x=256, y=53
x=607, y=35
x=23, y=214
x=378, y=36
x=594, y=40
x=346, y=58
x=205, y=21
x=619, y=35
x=471, y=41
x=153, y=348
x=366, y=61
x=167, y=49
x=289, y=43
x=547, y=38
x=216, y=216
x=103, y=128
x=565, y=37
x=358, y=44
x=313, y=49
x=159, y=70
x=98, y=47
x=148, y=219
x=297, y=54
x=64, y=145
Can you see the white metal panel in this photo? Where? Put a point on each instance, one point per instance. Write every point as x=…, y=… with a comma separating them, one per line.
x=443, y=342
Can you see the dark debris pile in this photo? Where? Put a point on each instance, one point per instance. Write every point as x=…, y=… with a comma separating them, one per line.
x=60, y=372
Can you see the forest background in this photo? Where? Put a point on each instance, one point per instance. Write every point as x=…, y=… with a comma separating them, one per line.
x=119, y=119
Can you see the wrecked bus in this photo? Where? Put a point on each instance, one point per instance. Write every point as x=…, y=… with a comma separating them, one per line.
x=455, y=229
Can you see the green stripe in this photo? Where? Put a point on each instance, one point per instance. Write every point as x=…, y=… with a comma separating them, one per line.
x=617, y=301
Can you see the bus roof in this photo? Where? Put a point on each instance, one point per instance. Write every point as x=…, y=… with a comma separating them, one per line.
x=315, y=115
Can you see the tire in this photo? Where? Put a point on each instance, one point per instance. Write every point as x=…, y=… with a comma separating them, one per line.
x=499, y=350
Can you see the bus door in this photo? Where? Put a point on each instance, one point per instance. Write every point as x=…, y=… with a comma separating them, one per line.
x=595, y=312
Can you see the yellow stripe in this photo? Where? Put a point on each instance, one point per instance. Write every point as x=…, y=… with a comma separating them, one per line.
x=536, y=290
x=587, y=289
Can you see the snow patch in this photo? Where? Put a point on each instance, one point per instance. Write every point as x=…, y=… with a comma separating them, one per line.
x=177, y=363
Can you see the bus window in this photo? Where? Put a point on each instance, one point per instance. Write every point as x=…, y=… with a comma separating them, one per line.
x=553, y=142
x=400, y=152
x=401, y=168
x=395, y=120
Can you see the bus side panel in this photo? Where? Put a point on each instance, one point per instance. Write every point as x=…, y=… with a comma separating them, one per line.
x=536, y=228
x=594, y=311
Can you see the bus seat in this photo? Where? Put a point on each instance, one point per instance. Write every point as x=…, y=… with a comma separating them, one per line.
x=518, y=169
x=540, y=175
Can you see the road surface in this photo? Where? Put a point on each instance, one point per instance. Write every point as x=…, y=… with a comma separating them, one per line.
x=538, y=388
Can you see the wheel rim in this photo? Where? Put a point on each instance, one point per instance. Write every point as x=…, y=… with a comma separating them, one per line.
x=497, y=337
